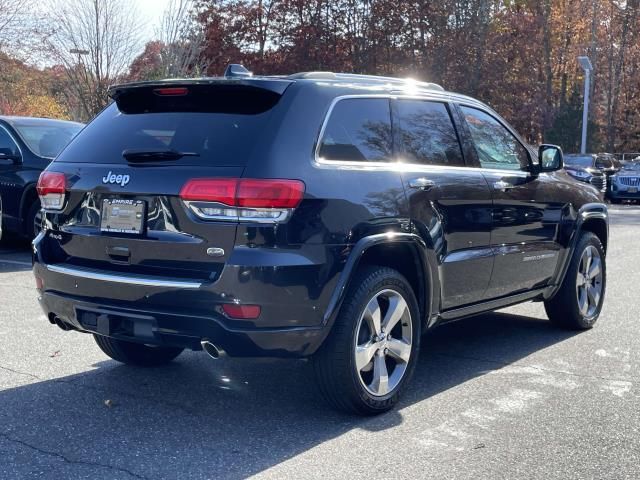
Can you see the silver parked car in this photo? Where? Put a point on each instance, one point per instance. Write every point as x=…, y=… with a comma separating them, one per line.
x=625, y=185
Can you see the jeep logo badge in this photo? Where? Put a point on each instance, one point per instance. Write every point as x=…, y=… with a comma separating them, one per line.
x=112, y=178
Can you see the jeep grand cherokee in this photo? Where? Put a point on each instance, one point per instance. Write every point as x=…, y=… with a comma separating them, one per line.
x=321, y=215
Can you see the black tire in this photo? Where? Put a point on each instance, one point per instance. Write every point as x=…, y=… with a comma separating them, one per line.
x=136, y=353
x=33, y=220
x=563, y=309
x=339, y=380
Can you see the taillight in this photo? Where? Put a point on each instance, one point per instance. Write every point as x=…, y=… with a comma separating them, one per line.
x=250, y=200
x=52, y=188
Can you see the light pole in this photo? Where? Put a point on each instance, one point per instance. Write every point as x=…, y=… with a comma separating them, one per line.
x=585, y=63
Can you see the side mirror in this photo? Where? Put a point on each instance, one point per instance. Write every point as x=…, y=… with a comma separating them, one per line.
x=550, y=158
x=8, y=154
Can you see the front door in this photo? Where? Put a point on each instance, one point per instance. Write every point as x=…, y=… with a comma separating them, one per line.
x=525, y=216
x=450, y=205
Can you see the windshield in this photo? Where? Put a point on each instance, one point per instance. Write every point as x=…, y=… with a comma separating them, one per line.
x=631, y=166
x=579, y=161
x=47, y=139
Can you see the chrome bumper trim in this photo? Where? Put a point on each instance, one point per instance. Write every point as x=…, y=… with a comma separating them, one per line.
x=141, y=280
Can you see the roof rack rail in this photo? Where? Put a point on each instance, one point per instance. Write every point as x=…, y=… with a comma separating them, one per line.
x=320, y=75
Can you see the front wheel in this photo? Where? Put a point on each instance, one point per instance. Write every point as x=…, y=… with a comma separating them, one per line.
x=371, y=352
x=578, y=303
x=136, y=353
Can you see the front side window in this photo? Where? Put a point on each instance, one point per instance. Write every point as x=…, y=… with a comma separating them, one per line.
x=427, y=135
x=497, y=148
x=358, y=130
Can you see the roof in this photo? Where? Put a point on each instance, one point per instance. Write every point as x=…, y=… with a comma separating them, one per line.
x=279, y=83
x=35, y=121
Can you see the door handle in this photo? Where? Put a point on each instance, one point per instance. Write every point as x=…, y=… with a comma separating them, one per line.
x=422, y=184
x=503, y=186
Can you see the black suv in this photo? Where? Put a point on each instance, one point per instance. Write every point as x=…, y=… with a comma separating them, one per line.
x=27, y=146
x=587, y=169
x=319, y=215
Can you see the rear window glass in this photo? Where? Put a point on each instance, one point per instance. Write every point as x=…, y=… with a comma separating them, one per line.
x=358, y=130
x=427, y=134
x=47, y=140
x=213, y=139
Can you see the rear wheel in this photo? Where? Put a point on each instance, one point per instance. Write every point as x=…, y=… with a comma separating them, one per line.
x=33, y=222
x=370, y=355
x=136, y=353
x=578, y=303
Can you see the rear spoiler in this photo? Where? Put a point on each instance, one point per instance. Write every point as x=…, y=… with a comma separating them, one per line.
x=274, y=85
x=206, y=95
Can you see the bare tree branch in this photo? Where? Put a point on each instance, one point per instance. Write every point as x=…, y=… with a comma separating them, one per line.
x=182, y=41
x=95, y=41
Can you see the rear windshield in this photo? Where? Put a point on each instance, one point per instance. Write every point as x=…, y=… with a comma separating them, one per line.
x=213, y=139
x=47, y=140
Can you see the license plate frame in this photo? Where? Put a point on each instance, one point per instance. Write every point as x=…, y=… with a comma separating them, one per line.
x=123, y=216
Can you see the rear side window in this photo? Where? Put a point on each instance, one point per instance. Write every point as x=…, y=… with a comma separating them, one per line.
x=358, y=130
x=211, y=133
x=427, y=135
x=47, y=140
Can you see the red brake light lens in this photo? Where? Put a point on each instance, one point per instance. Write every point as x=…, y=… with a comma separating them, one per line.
x=220, y=190
x=269, y=193
x=245, y=192
x=51, y=182
x=51, y=188
x=171, y=91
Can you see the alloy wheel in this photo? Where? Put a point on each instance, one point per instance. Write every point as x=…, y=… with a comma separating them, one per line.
x=383, y=342
x=589, y=281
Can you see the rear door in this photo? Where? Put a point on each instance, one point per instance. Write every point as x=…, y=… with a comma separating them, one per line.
x=526, y=208
x=450, y=204
x=125, y=172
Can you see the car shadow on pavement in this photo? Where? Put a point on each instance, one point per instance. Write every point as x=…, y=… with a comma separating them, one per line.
x=200, y=418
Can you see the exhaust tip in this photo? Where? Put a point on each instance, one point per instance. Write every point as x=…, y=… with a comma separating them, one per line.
x=213, y=351
x=62, y=324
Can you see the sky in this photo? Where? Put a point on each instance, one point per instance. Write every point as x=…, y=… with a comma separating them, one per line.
x=150, y=12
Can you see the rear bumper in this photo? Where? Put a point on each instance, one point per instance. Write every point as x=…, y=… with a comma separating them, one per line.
x=173, y=329
x=293, y=295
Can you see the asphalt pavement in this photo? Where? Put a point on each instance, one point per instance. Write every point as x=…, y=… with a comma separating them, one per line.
x=500, y=396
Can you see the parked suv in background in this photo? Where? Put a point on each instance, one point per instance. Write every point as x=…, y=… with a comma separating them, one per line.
x=319, y=215
x=27, y=146
x=625, y=184
x=584, y=169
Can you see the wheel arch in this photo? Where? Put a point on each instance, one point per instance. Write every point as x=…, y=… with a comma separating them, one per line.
x=406, y=253
x=594, y=218
x=29, y=196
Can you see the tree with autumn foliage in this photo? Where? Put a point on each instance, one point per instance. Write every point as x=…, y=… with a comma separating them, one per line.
x=517, y=55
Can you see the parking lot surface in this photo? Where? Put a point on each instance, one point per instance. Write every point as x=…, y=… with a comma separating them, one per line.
x=498, y=396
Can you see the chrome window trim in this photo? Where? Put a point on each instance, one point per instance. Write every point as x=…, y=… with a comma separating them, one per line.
x=435, y=96
x=140, y=280
x=12, y=137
